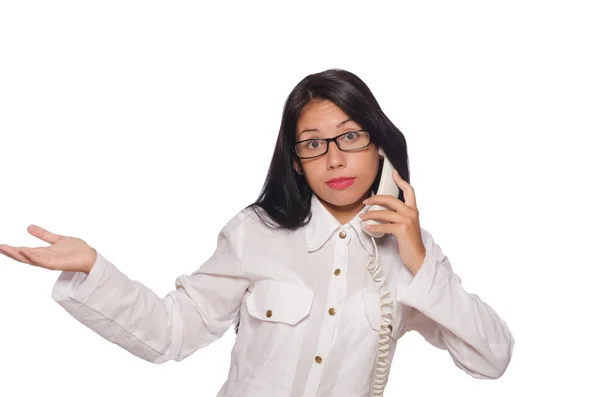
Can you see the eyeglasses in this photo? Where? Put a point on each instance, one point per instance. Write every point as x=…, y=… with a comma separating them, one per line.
x=347, y=142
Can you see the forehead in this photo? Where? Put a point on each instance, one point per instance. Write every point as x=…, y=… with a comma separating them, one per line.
x=322, y=115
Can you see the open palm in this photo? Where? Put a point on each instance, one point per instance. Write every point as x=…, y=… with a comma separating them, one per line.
x=65, y=253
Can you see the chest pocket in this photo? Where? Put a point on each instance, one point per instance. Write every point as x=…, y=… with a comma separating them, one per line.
x=272, y=337
x=279, y=302
x=372, y=307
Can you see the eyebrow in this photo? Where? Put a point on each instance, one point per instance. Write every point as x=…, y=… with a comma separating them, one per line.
x=317, y=130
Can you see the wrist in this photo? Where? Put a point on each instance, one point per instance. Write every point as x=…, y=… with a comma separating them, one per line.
x=90, y=263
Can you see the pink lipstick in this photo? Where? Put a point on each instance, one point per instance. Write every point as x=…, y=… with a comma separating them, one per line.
x=340, y=183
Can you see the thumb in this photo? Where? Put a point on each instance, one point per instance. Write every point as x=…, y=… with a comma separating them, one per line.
x=43, y=234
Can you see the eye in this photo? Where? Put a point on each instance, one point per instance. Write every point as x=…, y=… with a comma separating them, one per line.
x=314, y=144
x=350, y=136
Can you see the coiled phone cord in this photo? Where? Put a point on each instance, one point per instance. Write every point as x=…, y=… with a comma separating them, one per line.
x=383, y=359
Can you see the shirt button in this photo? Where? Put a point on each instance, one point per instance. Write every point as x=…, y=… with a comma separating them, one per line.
x=332, y=311
x=342, y=234
x=318, y=359
x=269, y=313
x=337, y=272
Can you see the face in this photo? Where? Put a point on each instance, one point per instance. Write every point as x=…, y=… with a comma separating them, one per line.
x=324, y=119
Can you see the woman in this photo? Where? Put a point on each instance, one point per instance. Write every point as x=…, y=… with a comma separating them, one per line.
x=294, y=270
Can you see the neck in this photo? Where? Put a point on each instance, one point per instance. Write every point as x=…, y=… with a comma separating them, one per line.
x=345, y=213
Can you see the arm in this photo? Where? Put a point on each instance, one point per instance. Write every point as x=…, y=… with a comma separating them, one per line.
x=450, y=318
x=199, y=311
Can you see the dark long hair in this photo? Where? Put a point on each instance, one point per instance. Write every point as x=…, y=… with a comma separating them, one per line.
x=284, y=202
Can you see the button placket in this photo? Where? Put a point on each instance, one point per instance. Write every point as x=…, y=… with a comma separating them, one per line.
x=340, y=262
x=336, y=296
x=344, y=238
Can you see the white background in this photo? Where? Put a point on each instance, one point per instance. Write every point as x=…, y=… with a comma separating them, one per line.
x=142, y=127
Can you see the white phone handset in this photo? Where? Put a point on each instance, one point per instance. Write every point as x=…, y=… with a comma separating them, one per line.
x=386, y=186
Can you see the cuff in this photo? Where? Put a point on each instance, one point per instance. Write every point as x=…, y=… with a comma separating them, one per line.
x=78, y=285
x=422, y=282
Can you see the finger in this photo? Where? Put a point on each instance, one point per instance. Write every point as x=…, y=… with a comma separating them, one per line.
x=409, y=192
x=391, y=202
x=15, y=253
x=35, y=258
x=43, y=234
x=387, y=228
x=382, y=215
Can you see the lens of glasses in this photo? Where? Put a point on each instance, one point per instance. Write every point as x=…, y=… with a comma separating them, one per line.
x=353, y=140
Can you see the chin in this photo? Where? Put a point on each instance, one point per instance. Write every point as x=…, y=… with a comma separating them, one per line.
x=342, y=198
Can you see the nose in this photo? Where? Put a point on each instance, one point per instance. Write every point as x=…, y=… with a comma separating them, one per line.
x=335, y=157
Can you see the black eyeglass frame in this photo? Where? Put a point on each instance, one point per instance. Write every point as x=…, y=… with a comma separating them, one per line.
x=332, y=139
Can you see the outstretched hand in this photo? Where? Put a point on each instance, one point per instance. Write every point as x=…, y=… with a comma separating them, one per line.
x=65, y=253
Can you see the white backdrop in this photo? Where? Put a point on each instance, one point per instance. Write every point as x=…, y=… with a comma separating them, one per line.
x=142, y=127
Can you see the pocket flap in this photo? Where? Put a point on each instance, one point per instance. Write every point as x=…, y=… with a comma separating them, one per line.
x=278, y=301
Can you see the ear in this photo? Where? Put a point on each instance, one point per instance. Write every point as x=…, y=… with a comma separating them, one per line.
x=298, y=168
x=378, y=150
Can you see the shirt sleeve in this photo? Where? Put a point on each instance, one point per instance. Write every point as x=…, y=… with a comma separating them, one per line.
x=450, y=318
x=200, y=309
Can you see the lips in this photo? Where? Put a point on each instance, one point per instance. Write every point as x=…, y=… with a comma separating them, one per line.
x=341, y=178
x=340, y=183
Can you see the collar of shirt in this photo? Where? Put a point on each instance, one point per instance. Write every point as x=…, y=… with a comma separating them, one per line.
x=323, y=224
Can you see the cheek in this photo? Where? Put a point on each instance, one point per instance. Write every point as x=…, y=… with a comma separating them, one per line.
x=310, y=170
x=371, y=166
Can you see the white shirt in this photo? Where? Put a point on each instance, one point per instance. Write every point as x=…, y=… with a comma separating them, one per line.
x=309, y=309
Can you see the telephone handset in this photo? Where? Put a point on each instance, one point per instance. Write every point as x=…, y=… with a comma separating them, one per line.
x=386, y=186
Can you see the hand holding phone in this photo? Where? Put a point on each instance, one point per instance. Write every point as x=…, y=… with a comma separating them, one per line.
x=386, y=186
